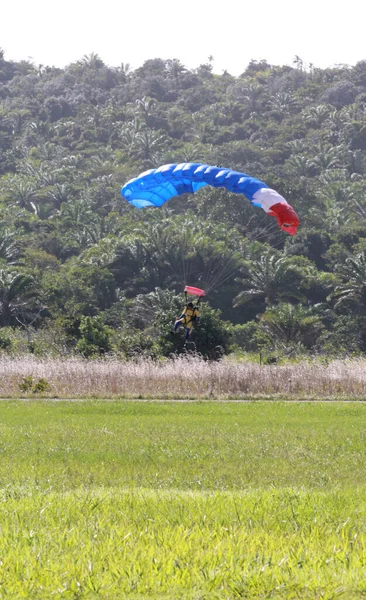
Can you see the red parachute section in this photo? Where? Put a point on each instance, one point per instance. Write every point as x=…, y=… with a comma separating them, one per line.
x=286, y=217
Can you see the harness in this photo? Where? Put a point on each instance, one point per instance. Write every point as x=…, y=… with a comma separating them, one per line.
x=193, y=317
x=190, y=318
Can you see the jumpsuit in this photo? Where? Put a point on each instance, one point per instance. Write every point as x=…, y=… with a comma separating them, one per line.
x=187, y=318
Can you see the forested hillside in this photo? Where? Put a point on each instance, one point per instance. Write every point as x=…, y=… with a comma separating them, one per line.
x=83, y=271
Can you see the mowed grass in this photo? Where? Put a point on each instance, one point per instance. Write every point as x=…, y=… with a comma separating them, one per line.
x=112, y=499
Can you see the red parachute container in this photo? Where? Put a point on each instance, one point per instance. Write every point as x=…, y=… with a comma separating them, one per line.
x=194, y=291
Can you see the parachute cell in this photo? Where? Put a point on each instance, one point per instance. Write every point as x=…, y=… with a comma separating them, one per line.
x=157, y=186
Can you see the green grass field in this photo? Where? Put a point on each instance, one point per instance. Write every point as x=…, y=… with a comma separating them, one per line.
x=201, y=500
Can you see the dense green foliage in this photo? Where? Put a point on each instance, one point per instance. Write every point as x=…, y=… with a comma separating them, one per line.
x=77, y=260
x=174, y=500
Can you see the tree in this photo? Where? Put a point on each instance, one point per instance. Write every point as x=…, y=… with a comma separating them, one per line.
x=317, y=115
x=290, y=326
x=327, y=157
x=18, y=296
x=145, y=108
x=270, y=279
x=352, y=288
x=148, y=309
x=70, y=138
x=10, y=250
x=95, y=337
x=175, y=68
x=298, y=62
x=21, y=192
x=92, y=60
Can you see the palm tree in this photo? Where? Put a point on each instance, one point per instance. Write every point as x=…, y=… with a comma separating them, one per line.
x=316, y=115
x=10, y=250
x=271, y=279
x=20, y=192
x=59, y=194
x=356, y=200
x=298, y=62
x=148, y=146
x=200, y=128
x=145, y=107
x=76, y=216
x=252, y=93
x=282, y=103
x=328, y=157
x=17, y=296
x=290, y=325
x=92, y=60
x=357, y=163
x=300, y=165
x=352, y=288
x=148, y=307
x=337, y=120
x=102, y=227
x=175, y=68
x=128, y=133
x=125, y=70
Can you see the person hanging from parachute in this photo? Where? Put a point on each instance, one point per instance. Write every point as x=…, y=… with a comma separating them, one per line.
x=157, y=186
x=191, y=315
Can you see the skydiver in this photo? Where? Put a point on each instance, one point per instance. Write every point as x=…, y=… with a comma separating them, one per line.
x=189, y=316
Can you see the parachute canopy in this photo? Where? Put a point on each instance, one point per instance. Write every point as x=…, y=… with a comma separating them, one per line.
x=157, y=186
x=194, y=291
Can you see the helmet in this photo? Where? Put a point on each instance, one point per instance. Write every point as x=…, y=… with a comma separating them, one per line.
x=190, y=305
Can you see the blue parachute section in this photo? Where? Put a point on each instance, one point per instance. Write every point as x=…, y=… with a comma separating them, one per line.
x=157, y=186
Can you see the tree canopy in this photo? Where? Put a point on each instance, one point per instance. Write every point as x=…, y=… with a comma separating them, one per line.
x=78, y=260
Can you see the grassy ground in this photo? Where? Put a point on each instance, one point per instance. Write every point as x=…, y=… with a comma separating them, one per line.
x=174, y=500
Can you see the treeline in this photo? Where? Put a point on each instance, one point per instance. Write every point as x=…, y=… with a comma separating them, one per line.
x=82, y=271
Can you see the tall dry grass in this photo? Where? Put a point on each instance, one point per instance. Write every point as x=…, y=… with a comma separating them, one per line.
x=183, y=378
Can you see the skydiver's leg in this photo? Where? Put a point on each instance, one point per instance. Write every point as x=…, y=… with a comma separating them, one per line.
x=177, y=324
x=189, y=330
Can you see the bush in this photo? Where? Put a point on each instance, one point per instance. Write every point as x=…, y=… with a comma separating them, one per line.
x=249, y=337
x=132, y=343
x=211, y=338
x=29, y=385
x=95, y=336
x=5, y=340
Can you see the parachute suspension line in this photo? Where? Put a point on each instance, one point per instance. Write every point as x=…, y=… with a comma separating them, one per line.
x=220, y=275
x=217, y=271
x=267, y=231
x=156, y=186
x=277, y=244
x=186, y=266
x=163, y=245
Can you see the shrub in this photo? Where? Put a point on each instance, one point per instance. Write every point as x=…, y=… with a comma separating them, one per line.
x=249, y=337
x=5, y=341
x=95, y=336
x=29, y=385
